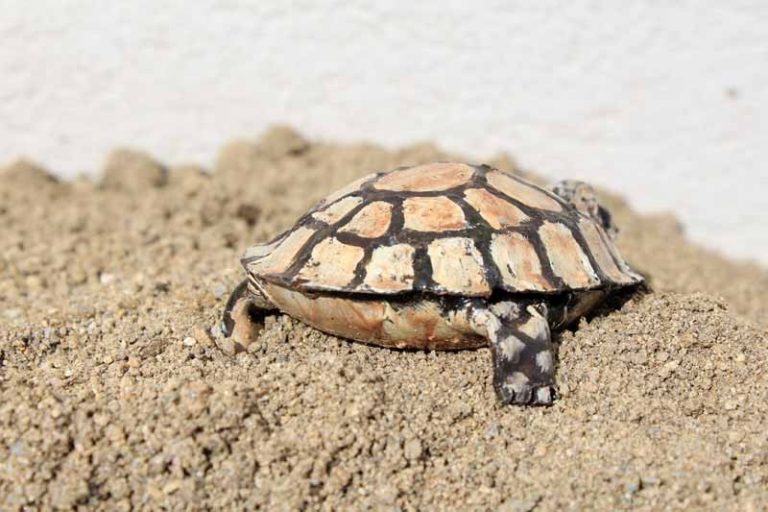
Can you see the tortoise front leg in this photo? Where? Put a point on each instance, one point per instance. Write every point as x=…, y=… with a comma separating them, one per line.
x=523, y=359
x=243, y=314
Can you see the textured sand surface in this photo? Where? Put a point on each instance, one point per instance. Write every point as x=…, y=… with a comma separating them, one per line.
x=115, y=392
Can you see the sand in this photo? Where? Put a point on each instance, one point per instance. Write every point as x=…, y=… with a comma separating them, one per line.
x=116, y=393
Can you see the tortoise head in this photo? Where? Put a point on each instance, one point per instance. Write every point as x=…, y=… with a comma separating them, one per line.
x=582, y=196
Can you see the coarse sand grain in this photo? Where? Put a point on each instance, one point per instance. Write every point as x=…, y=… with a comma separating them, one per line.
x=117, y=394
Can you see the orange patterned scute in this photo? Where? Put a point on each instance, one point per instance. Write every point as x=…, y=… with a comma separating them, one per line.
x=390, y=269
x=337, y=210
x=526, y=193
x=568, y=260
x=497, y=212
x=370, y=222
x=283, y=255
x=332, y=264
x=427, y=178
x=601, y=253
x=433, y=214
x=518, y=264
x=457, y=266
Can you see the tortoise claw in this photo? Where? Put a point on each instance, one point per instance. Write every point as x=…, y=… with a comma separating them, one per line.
x=544, y=394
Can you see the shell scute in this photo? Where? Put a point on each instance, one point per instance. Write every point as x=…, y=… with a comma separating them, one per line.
x=518, y=263
x=497, y=212
x=372, y=221
x=390, y=269
x=526, y=193
x=426, y=178
x=457, y=266
x=602, y=254
x=568, y=260
x=335, y=211
x=331, y=265
x=282, y=255
x=433, y=214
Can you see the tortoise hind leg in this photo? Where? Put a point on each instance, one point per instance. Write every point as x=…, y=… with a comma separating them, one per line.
x=523, y=359
x=245, y=310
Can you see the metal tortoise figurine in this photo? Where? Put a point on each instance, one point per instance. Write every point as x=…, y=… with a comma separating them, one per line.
x=442, y=256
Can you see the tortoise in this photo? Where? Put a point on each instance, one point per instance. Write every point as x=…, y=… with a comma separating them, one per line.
x=442, y=256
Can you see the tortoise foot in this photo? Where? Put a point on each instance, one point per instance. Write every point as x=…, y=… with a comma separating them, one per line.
x=516, y=393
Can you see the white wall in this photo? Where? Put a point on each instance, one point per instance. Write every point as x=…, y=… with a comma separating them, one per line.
x=666, y=103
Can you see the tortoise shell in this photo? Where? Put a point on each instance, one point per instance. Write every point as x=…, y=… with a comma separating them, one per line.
x=444, y=228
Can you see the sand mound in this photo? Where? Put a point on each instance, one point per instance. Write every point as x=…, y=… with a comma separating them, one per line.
x=114, y=394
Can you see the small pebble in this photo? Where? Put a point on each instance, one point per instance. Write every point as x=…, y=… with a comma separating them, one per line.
x=650, y=481
x=633, y=486
x=226, y=345
x=106, y=278
x=201, y=335
x=189, y=341
x=513, y=505
x=216, y=332
x=413, y=449
x=18, y=449
x=171, y=487
x=219, y=290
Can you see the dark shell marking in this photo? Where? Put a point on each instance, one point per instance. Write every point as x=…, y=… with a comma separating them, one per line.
x=446, y=228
